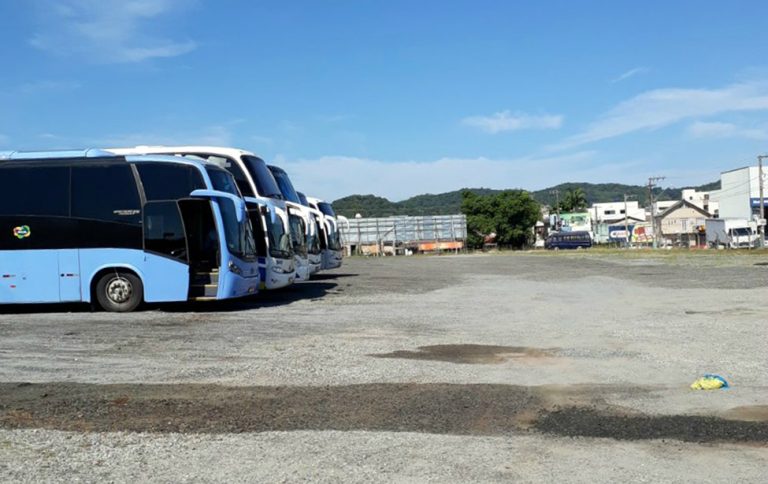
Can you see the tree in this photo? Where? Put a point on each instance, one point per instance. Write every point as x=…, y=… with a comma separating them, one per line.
x=510, y=214
x=574, y=200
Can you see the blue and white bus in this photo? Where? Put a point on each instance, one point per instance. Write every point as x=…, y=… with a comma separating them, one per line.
x=91, y=226
x=278, y=261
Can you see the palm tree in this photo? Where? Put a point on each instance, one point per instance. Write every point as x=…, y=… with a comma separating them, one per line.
x=575, y=200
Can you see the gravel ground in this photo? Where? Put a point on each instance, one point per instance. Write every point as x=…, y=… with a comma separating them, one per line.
x=530, y=367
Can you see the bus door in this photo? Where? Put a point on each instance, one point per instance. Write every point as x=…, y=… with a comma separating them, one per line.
x=69, y=275
x=202, y=235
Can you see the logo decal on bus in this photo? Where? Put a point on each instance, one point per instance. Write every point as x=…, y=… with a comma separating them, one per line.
x=22, y=231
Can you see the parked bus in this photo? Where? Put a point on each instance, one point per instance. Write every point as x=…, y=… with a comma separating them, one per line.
x=315, y=239
x=568, y=240
x=333, y=252
x=277, y=259
x=301, y=214
x=91, y=226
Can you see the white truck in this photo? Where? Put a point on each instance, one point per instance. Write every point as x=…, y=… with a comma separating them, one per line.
x=731, y=233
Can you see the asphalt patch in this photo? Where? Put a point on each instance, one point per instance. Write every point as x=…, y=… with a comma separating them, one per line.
x=469, y=353
x=436, y=408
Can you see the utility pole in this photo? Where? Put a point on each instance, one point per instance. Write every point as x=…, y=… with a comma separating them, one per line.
x=651, y=184
x=761, y=229
x=626, y=219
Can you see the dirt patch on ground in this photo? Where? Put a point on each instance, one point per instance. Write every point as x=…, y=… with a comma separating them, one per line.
x=427, y=408
x=753, y=413
x=469, y=353
x=587, y=422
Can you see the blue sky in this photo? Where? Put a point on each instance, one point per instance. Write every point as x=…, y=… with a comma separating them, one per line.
x=398, y=98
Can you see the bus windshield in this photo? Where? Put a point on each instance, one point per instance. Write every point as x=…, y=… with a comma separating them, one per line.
x=297, y=235
x=239, y=235
x=262, y=177
x=326, y=208
x=334, y=241
x=286, y=187
x=279, y=240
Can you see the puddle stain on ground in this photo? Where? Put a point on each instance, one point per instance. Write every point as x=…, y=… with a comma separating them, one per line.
x=718, y=312
x=455, y=409
x=469, y=353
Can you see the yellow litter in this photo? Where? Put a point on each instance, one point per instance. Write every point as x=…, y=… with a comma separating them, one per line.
x=709, y=382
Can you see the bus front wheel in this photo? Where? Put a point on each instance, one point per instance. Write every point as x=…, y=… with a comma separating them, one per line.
x=119, y=292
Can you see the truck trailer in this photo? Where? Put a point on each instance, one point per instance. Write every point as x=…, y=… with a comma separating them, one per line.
x=731, y=233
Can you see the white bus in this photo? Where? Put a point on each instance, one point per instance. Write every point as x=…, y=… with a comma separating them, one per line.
x=281, y=262
x=295, y=207
x=333, y=252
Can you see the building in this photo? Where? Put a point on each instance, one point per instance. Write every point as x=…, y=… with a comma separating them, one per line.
x=612, y=220
x=739, y=194
x=575, y=222
x=662, y=205
x=614, y=211
x=404, y=235
x=682, y=224
x=702, y=200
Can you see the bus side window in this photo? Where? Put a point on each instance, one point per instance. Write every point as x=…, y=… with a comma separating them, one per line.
x=39, y=190
x=106, y=193
x=169, y=182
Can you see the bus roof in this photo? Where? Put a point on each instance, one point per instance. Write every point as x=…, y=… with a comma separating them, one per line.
x=55, y=154
x=97, y=155
x=213, y=150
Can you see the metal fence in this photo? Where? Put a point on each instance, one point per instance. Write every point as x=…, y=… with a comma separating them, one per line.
x=403, y=235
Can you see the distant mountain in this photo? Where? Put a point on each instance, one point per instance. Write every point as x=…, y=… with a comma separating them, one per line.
x=450, y=202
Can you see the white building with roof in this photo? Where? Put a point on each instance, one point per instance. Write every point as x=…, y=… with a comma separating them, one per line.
x=739, y=194
x=702, y=200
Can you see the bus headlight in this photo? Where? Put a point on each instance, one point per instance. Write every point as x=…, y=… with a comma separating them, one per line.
x=278, y=270
x=234, y=268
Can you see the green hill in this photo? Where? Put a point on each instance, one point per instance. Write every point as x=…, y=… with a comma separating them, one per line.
x=450, y=202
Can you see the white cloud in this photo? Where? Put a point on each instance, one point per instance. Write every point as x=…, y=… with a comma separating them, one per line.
x=332, y=177
x=701, y=129
x=630, y=73
x=111, y=31
x=507, y=121
x=663, y=107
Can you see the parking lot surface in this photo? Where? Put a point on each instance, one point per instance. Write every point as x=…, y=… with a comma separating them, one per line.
x=524, y=367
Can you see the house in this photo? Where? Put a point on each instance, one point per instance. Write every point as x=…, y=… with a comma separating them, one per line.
x=682, y=224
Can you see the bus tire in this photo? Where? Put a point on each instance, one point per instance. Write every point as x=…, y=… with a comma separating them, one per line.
x=119, y=292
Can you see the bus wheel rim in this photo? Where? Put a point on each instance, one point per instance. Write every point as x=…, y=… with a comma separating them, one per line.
x=119, y=290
